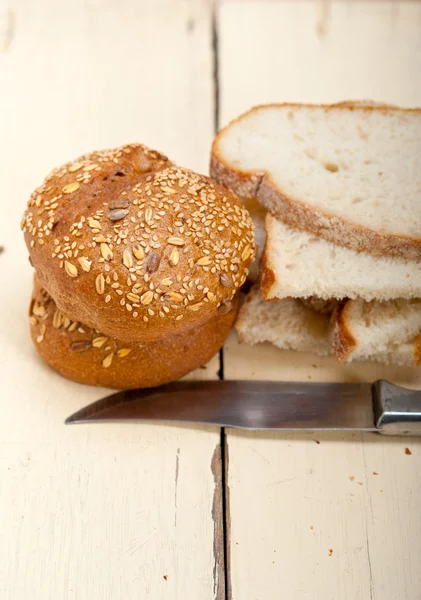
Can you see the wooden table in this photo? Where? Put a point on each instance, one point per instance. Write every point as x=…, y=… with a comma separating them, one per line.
x=159, y=511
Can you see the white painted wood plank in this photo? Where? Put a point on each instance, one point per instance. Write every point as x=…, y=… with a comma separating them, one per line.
x=98, y=512
x=282, y=485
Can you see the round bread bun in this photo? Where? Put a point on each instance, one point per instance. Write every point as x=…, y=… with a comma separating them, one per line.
x=135, y=246
x=86, y=356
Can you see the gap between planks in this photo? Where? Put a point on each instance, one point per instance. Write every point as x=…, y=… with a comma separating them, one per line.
x=220, y=509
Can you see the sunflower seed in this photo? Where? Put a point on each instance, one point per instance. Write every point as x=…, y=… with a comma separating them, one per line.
x=152, y=263
x=81, y=346
x=226, y=280
x=119, y=203
x=117, y=214
x=100, y=284
x=167, y=281
x=73, y=326
x=168, y=190
x=71, y=270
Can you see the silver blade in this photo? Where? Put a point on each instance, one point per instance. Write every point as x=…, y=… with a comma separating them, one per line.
x=242, y=404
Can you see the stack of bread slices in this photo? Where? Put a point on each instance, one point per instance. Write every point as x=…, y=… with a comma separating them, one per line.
x=341, y=267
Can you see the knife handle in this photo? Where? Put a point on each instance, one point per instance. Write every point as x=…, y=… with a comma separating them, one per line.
x=397, y=410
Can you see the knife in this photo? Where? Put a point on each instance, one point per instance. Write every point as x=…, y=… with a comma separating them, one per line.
x=267, y=405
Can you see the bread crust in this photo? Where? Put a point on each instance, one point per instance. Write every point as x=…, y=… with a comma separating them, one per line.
x=132, y=245
x=267, y=276
x=292, y=211
x=343, y=342
x=417, y=350
x=86, y=356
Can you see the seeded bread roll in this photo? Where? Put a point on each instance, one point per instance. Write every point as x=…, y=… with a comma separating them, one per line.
x=86, y=356
x=134, y=246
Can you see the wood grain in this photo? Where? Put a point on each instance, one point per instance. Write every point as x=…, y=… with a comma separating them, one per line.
x=108, y=511
x=332, y=516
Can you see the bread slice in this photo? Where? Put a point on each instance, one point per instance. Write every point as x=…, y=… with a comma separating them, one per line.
x=381, y=331
x=350, y=173
x=287, y=324
x=299, y=264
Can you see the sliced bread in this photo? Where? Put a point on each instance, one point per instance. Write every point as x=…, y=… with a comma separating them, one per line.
x=383, y=332
x=300, y=265
x=350, y=173
x=380, y=331
x=287, y=324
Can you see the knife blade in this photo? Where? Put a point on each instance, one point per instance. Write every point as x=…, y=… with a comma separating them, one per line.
x=262, y=405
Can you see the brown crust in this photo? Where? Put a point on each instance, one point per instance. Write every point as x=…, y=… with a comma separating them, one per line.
x=417, y=350
x=343, y=341
x=162, y=248
x=297, y=214
x=267, y=276
x=70, y=351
